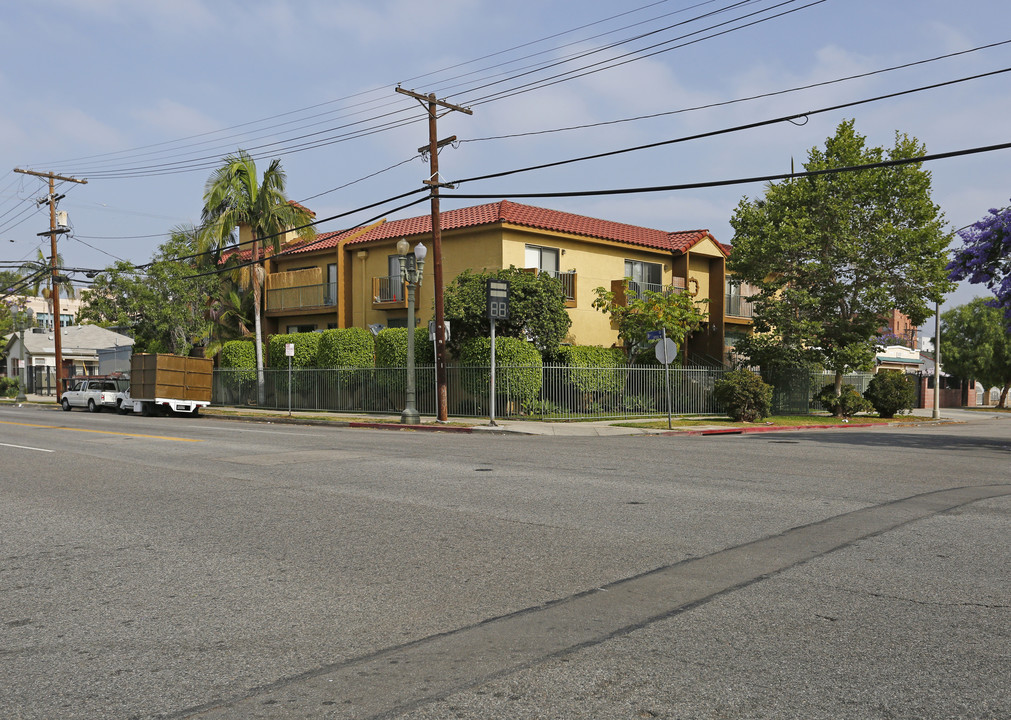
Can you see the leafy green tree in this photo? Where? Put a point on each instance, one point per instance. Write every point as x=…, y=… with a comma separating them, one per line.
x=536, y=309
x=640, y=313
x=162, y=306
x=976, y=345
x=833, y=254
x=235, y=196
x=9, y=281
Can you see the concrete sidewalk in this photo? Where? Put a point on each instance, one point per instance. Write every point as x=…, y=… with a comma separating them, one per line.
x=593, y=428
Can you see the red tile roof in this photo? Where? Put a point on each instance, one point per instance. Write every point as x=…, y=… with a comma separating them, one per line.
x=508, y=212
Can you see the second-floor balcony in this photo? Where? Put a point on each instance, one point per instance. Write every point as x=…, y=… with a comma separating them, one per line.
x=389, y=293
x=303, y=298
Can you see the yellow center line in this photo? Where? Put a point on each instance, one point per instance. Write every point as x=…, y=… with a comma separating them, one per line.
x=100, y=432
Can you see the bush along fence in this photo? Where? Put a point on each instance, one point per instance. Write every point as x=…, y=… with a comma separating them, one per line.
x=547, y=391
x=335, y=371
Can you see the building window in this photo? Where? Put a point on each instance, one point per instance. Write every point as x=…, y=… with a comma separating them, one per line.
x=643, y=276
x=738, y=298
x=545, y=259
x=301, y=328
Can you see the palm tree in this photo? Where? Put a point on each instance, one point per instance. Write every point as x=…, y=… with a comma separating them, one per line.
x=233, y=197
x=42, y=285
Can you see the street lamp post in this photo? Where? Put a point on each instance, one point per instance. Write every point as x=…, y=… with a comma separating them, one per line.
x=411, y=269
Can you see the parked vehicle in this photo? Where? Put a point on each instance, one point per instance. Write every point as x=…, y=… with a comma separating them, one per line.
x=160, y=382
x=94, y=394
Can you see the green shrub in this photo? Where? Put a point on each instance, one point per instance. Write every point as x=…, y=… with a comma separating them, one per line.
x=848, y=403
x=576, y=358
x=306, y=349
x=391, y=348
x=9, y=386
x=745, y=395
x=891, y=392
x=239, y=356
x=391, y=352
x=517, y=370
x=352, y=352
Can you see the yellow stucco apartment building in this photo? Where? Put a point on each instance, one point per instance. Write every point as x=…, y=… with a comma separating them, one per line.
x=346, y=280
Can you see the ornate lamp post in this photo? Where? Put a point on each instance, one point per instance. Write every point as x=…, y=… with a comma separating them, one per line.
x=411, y=268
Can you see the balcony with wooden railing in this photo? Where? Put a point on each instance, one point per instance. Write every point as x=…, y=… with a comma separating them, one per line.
x=299, y=291
x=389, y=293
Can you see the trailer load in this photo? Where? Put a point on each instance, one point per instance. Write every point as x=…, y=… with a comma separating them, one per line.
x=162, y=382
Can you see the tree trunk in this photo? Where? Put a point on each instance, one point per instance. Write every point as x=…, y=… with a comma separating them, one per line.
x=838, y=392
x=261, y=394
x=1002, y=403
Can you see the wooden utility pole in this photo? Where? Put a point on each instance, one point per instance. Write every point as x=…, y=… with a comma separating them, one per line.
x=432, y=104
x=52, y=233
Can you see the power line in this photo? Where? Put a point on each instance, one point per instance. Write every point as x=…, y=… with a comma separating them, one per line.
x=632, y=56
x=725, y=131
x=314, y=140
x=303, y=247
x=724, y=103
x=384, y=88
x=739, y=181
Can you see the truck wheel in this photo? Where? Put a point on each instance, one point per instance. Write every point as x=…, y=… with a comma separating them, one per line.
x=195, y=412
x=92, y=407
x=121, y=408
x=145, y=409
x=66, y=405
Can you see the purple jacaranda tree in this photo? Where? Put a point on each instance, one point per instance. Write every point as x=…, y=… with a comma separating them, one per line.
x=985, y=257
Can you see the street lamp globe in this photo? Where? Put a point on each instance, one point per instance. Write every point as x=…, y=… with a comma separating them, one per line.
x=403, y=246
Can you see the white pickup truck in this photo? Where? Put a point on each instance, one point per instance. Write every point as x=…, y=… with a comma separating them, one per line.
x=94, y=394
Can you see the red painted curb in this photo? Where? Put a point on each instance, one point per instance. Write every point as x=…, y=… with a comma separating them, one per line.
x=779, y=428
x=399, y=426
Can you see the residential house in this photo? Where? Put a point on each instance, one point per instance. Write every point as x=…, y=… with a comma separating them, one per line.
x=81, y=348
x=342, y=279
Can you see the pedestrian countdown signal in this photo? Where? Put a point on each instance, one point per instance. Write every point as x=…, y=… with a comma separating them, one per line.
x=498, y=299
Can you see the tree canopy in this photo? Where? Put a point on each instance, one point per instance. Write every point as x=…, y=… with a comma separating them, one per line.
x=832, y=254
x=643, y=312
x=235, y=196
x=162, y=306
x=536, y=308
x=976, y=345
x=985, y=258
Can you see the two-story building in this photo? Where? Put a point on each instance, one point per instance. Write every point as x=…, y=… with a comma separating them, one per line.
x=345, y=279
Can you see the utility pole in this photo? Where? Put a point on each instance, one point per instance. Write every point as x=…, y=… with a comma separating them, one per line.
x=432, y=104
x=52, y=233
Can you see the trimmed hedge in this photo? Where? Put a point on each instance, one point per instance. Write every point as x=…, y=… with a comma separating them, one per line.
x=346, y=348
x=306, y=347
x=612, y=377
x=391, y=348
x=517, y=369
x=240, y=357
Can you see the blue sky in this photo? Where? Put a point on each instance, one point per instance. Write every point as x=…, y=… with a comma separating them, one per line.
x=94, y=85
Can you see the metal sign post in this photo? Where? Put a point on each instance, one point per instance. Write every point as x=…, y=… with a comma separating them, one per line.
x=498, y=309
x=666, y=350
x=289, y=350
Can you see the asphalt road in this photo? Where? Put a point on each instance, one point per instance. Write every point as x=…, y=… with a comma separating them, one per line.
x=203, y=568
